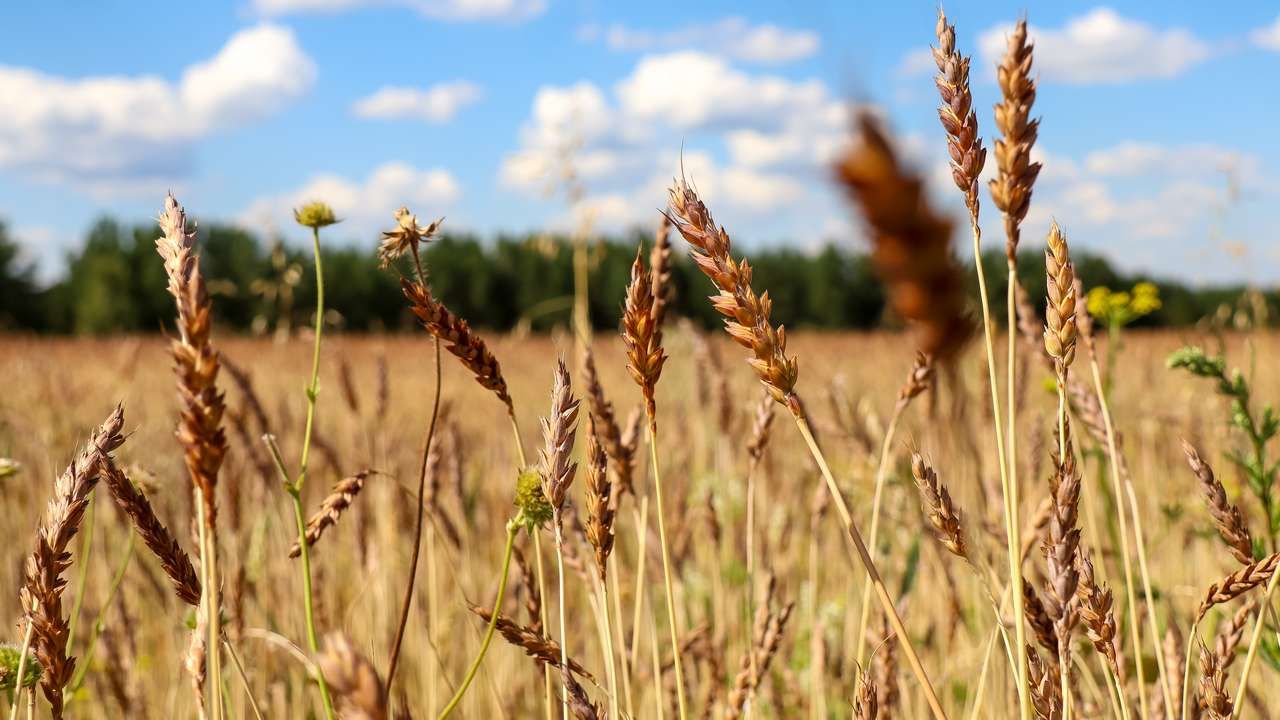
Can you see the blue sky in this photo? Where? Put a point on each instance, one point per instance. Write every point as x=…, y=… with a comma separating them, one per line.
x=1158, y=133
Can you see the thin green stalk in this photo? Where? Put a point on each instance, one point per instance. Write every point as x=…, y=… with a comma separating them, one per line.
x=82, y=668
x=295, y=488
x=512, y=529
x=666, y=570
x=86, y=548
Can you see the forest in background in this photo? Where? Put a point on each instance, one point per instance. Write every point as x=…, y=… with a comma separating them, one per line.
x=114, y=282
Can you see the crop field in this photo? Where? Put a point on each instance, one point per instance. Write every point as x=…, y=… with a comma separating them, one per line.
x=131, y=632
x=1023, y=494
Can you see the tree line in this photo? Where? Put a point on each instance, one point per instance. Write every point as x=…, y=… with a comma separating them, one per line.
x=115, y=283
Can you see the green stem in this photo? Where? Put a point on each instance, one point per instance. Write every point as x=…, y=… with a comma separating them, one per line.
x=512, y=529
x=314, y=388
x=82, y=668
x=86, y=548
x=307, y=603
x=295, y=488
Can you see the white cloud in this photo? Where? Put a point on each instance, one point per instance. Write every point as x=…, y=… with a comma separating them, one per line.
x=732, y=37
x=613, y=140
x=1131, y=159
x=456, y=10
x=114, y=131
x=1267, y=37
x=1102, y=47
x=692, y=89
x=437, y=104
x=364, y=206
x=917, y=62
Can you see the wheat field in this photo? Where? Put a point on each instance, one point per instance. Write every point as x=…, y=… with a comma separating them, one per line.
x=977, y=516
x=58, y=390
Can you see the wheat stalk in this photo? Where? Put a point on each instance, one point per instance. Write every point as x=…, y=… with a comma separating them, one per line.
x=747, y=322
x=43, y=581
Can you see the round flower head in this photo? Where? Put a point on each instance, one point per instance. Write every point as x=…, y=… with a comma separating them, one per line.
x=534, y=510
x=314, y=215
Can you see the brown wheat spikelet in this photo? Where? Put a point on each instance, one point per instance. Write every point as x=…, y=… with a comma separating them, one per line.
x=956, y=113
x=660, y=274
x=942, y=513
x=1214, y=697
x=344, y=493
x=1096, y=613
x=1230, y=634
x=1241, y=581
x=640, y=333
x=43, y=583
x=1060, y=309
x=195, y=361
x=865, y=706
x=1227, y=517
x=884, y=670
x=559, y=429
x=456, y=333
x=919, y=379
x=353, y=679
x=1046, y=693
x=1016, y=173
x=1039, y=621
x=770, y=625
x=746, y=314
x=622, y=455
x=579, y=703
x=911, y=242
x=173, y=559
x=1175, y=666
x=599, y=500
x=534, y=644
x=760, y=429
x=1062, y=543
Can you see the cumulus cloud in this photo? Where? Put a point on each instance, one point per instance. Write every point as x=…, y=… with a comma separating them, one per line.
x=454, y=10
x=116, y=131
x=756, y=145
x=1102, y=47
x=436, y=104
x=1267, y=37
x=1139, y=190
x=365, y=206
x=768, y=122
x=731, y=37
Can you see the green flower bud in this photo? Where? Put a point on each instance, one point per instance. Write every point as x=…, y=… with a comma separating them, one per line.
x=314, y=215
x=10, y=655
x=534, y=510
